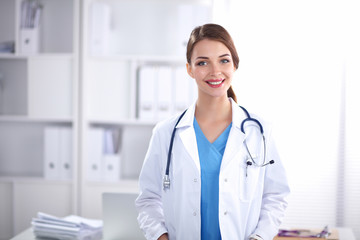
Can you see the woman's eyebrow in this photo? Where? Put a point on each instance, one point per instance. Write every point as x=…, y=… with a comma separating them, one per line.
x=223, y=55
x=200, y=57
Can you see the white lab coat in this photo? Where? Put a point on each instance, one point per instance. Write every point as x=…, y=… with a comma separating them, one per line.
x=247, y=205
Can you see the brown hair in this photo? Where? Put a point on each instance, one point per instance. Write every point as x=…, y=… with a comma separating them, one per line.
x=217, y=33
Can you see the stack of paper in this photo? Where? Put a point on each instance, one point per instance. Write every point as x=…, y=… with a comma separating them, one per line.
x=68, y=228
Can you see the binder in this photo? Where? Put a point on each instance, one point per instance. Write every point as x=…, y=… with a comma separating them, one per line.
x=65, y=155
x=185, y=25
x=29, y=40
x=51, y=153
x=193, y=89
x=94, y=155
x=164, y=92
x=100, y=28
x=147, y=83
x=31, y=12
x=111, y=167
x=189, y=17
x=183, y=92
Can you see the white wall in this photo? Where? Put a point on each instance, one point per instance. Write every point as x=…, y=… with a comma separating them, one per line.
x=296, y=62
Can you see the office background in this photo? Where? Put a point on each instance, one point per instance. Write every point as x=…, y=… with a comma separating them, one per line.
x=78, y=91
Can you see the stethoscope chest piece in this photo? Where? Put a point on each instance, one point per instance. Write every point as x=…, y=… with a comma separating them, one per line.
x=166, y=182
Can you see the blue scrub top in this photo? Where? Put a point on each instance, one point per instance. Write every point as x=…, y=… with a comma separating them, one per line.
x=210, y=155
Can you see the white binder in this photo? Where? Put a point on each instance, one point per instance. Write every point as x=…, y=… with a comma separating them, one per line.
x=51, y=152
x=182, y=84
x=94, y=155
x=111, y=167
x=164, y=92
x=29, y=40
x=65, y=155
x=100, y=28
x=147, y=84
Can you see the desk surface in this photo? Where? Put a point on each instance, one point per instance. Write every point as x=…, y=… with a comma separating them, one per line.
x=344, y=234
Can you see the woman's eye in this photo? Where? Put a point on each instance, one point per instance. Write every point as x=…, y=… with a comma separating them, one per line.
x=225, y=61
x=202, y=63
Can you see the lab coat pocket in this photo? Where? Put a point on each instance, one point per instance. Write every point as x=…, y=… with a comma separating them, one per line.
x=248, y=181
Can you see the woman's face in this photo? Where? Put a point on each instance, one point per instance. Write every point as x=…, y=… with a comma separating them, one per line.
x=212, y=68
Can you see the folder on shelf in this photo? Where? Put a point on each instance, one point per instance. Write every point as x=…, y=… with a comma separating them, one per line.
x=51, y=152
x=184, y=26
x=111, y=167
x=58, y=152
x=94, y=157
x=147, y=84
x=189, y=16
x=100, y=28
x=29, y=40
x=164, y=88
x=31, y=12
x=65, y=155
x=182, y=89
x=103, y=161
x=193, y=89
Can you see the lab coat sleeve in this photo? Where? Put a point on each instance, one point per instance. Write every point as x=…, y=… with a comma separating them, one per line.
x=149, y=204
x=274, y=203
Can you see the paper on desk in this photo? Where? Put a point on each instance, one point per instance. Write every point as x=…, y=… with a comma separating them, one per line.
x=69, y=228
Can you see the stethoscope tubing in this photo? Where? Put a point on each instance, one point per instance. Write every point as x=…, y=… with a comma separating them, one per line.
x=166, y=182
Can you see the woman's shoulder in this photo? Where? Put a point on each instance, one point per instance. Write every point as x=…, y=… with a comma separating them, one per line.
x=167, y=125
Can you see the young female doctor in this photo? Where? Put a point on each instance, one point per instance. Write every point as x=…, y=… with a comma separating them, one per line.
x=215, y=188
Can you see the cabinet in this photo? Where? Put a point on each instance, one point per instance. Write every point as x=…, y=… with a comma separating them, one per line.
x=79, y=77
x=38, y=93
x=130, y=49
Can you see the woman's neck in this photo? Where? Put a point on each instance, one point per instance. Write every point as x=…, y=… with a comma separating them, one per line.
x=213, y=109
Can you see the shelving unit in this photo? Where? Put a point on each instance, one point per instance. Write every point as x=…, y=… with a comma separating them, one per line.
x=84, y=77
x=121, y=37
x=38, y=90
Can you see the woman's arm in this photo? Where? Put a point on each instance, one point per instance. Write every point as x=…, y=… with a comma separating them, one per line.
x=149, y=202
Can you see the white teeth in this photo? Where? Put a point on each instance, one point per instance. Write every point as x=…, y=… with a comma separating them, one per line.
x=215, y=83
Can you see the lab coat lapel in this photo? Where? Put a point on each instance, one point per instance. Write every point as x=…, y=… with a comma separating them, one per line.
x=186, y=132
x=236, y=138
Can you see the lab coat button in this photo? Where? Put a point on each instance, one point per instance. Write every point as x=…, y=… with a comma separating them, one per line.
x=194, y=213
x=195, y=179
x=225, y=180
x=225, y=213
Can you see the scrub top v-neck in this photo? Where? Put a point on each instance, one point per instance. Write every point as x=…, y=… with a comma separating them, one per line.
x=210, y=155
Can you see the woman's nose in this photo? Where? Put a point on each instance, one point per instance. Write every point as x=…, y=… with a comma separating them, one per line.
x=215, y=70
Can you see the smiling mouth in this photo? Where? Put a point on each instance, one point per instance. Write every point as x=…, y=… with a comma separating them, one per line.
x=215, y=83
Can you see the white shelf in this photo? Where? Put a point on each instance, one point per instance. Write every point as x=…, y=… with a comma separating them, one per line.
x=152, y=58
x=11, y=56
x=128, y=183
x=26, y=119
x=38, y=55
x=33, y=180
x=122, y=122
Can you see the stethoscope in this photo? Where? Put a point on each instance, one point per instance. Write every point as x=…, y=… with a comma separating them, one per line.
x=249, y=162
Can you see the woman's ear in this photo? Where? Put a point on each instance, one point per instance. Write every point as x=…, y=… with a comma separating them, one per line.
x=189, y=70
